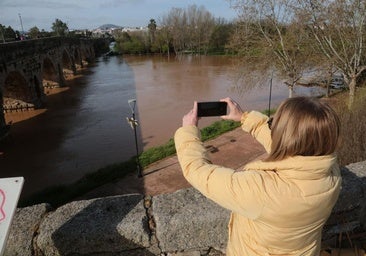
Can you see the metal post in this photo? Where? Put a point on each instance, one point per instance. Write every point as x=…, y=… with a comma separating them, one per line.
x=21, y=24
x=133, y=122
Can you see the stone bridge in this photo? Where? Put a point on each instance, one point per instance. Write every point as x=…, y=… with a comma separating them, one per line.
x=27, y=67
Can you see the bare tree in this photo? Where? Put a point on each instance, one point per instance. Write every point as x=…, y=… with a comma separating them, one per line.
x=206, y=27
x=279, y=36
x=175, y=23
x=163, y=40
x=338, y=27
x=201, y=24
x=189, y=28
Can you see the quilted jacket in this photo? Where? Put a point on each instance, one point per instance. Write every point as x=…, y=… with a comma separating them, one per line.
x=278, y=208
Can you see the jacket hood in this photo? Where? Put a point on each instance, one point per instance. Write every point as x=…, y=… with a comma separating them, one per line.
x=298, y=167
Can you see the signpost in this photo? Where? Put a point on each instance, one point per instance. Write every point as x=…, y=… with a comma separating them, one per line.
x=10, y=189
x=133, y=122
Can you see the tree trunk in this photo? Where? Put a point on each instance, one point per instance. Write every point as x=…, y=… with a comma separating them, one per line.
x=168, y=49
x=290, y=86
x=290, y=91
x=329, y=80
x=352, y=90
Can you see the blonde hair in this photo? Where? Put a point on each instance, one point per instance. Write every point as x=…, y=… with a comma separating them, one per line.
x=304, y=126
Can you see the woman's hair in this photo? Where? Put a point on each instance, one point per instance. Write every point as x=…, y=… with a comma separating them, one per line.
x=304, y=126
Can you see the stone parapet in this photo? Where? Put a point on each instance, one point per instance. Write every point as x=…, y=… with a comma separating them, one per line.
x=187, y=221
x=19, y=49
x=183, y=223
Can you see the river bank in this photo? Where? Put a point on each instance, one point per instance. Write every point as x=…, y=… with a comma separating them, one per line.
x=58, y=195
x=232, y=149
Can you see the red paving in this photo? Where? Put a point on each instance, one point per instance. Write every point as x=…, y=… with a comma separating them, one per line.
x=233, y=149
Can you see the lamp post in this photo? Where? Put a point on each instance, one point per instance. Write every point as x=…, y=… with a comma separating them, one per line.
x=133, y=122
x=21, y=24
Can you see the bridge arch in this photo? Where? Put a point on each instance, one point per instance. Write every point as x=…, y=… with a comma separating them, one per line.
x=87, y=54
x=77, y=58
x=50, y=74
x=16, y=92
x=68, y=64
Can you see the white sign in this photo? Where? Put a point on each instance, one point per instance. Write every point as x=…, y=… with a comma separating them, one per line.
x=10, y=189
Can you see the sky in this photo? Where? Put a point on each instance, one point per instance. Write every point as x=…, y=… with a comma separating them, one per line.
x=90, y=14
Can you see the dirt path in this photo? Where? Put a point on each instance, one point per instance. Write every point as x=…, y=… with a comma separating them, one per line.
x=233, y=149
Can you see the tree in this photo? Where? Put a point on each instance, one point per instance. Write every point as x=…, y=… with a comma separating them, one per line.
x=220, y=36
x=270, y=34
x=164, y=40
x=190, y=29
x=152, y=29
x=339, y=29
x=2, y=33
x=175, y=24
x=44, y=33
x=132, y=43
x=204, y=27
x=59, y=28
x=34, y=32
x=7, y=33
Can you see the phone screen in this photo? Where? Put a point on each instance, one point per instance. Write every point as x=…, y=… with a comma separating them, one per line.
x=211, y=108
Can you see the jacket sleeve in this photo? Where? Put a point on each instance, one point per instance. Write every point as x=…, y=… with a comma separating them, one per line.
x=255, y=123
x=237, y=191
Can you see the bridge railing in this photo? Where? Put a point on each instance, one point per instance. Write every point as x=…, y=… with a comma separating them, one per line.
x=13, y=50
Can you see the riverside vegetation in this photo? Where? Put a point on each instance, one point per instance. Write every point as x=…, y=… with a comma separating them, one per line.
x=351, y=150
x=353, y=145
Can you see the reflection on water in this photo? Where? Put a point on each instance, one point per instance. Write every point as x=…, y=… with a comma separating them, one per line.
x=84, y=126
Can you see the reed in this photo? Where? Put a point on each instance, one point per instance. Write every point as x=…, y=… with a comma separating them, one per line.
x=353, y=127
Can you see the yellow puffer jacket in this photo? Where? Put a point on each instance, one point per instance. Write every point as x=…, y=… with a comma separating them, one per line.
x=278, y=208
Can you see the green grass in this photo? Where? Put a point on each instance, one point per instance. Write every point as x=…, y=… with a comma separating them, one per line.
x=217, y=129
x=271, y=112
x=60, y=195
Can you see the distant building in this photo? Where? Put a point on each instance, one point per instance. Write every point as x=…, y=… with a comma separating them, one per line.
x=134, y=29
x=112, y=30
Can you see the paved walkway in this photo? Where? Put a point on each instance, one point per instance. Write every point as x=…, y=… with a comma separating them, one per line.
x=233, y=149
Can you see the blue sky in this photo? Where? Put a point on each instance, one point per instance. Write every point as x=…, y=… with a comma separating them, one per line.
x=89, y=14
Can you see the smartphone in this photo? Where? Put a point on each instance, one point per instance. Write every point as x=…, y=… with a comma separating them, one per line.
x=211, y=108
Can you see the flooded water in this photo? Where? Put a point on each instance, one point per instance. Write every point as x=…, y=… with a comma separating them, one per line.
x=83, y=126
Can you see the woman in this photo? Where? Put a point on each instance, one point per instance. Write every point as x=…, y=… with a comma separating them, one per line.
x=280, y=204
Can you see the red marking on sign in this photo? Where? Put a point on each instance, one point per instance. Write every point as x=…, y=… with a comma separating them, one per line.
x=2, y=202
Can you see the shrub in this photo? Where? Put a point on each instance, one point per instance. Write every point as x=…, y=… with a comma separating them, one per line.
x=353, y=127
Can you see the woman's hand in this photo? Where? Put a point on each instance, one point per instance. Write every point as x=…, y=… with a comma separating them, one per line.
x=191, y=117
x=235, y=112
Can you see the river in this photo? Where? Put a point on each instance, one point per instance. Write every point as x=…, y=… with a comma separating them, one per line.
x=83, y=126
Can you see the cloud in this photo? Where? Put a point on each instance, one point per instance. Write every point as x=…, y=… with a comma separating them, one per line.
x=119, y=3
x=92, y=13
x=39, y=4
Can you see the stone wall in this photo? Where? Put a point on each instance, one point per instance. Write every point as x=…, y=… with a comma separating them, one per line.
x=180, y=224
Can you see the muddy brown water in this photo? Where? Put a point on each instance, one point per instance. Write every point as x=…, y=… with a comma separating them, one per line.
x=83, y=126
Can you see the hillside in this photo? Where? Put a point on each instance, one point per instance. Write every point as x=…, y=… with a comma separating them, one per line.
x=109, y=26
